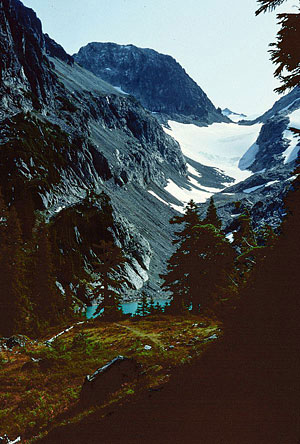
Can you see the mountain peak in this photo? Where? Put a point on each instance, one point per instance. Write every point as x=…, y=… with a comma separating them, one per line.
x=151, y=77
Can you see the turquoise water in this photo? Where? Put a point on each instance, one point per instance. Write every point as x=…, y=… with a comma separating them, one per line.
x=127, y=307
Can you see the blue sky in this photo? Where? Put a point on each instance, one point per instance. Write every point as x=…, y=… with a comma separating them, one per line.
x=220, y=44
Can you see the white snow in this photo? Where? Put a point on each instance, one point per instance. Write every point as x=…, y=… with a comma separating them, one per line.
x=291, y=104
x=193, y=171
x=268, y=184
x=271, y=183
x=175, y=207
x=58, y=209
x=220, y=145
x=235, y=117
x=60, y=287
x=119, y=89
x=249, y=157
x=230, y=237
x=250, y=190
x=291, y=152
x=184, y=195
x=49, y=341
x=157, y=197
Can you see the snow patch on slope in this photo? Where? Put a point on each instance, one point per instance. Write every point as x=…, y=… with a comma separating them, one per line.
x=185, y=195
x=249, y=157
x=220, y=145
x=119, y=89
x=291, y=152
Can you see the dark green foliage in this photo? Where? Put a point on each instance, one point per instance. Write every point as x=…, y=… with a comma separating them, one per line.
x=15, y=306
x=270, y=300
x=110, y=258
x=244, y=238
x=49, y=305
x=42, y=147
x=246, y=246
x=175, y=280
x=211, y=264
x=190, y=219
x=211, y=216
x=268, y=5
x=143, y=308
x=72, y=246
x=287, y=48
x=201, y=265
x=151, y=305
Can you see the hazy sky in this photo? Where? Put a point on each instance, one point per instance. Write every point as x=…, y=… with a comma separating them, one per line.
x=220, y=43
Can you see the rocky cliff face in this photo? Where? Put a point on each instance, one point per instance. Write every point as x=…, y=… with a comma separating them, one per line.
x=64, y=131
x=272, y=159
x=276, y=142
x=25, y=77
x=156, y=80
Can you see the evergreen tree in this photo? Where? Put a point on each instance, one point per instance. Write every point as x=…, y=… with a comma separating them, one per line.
x=287, y=48
x=110, y=258
x=143, y=308
x=49, y=304
x=3, y=219
x=15, y=306
x=151, y=305
x=245, y=242
x=178, y=267
x=200, y=266
x=211, y=264
x=157, y=308
x=244, y=238
x=211, y=215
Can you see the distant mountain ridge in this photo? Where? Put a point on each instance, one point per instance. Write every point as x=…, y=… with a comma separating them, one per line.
x=235, y=117
x=156, y=80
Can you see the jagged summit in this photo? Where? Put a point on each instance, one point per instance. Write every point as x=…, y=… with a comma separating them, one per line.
x=235, y=117
x=156, y=80
x=56, y=50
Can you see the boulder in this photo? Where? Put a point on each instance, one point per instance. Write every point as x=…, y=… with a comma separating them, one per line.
x=33, y=364
x=108, y=379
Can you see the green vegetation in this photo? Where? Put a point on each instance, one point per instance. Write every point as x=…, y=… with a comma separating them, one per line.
x=287, y=48
x=110, y=259
x=33, y=260
x=38, y=395
x=200, y=268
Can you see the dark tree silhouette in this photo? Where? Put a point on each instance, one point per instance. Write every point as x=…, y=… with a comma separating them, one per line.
x=286, y=54
x=49, y=304
x=143, y=308
x=212, y=216
x=179, y=264
x=15, y=306
x=110, y=258
x=200, y=266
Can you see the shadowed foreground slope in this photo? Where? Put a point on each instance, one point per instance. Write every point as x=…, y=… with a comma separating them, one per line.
x=245, y=389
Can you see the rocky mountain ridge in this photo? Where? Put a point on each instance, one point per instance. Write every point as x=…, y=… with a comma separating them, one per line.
x=272, y=159
x=156, y=80
x=63, y=132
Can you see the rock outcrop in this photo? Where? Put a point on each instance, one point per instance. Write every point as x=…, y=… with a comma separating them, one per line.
x=156, y=80
x=64, y=132
x=108, y=379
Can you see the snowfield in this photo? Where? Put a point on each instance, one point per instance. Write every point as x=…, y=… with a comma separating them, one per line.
x=291, y=152
x=220, y=145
